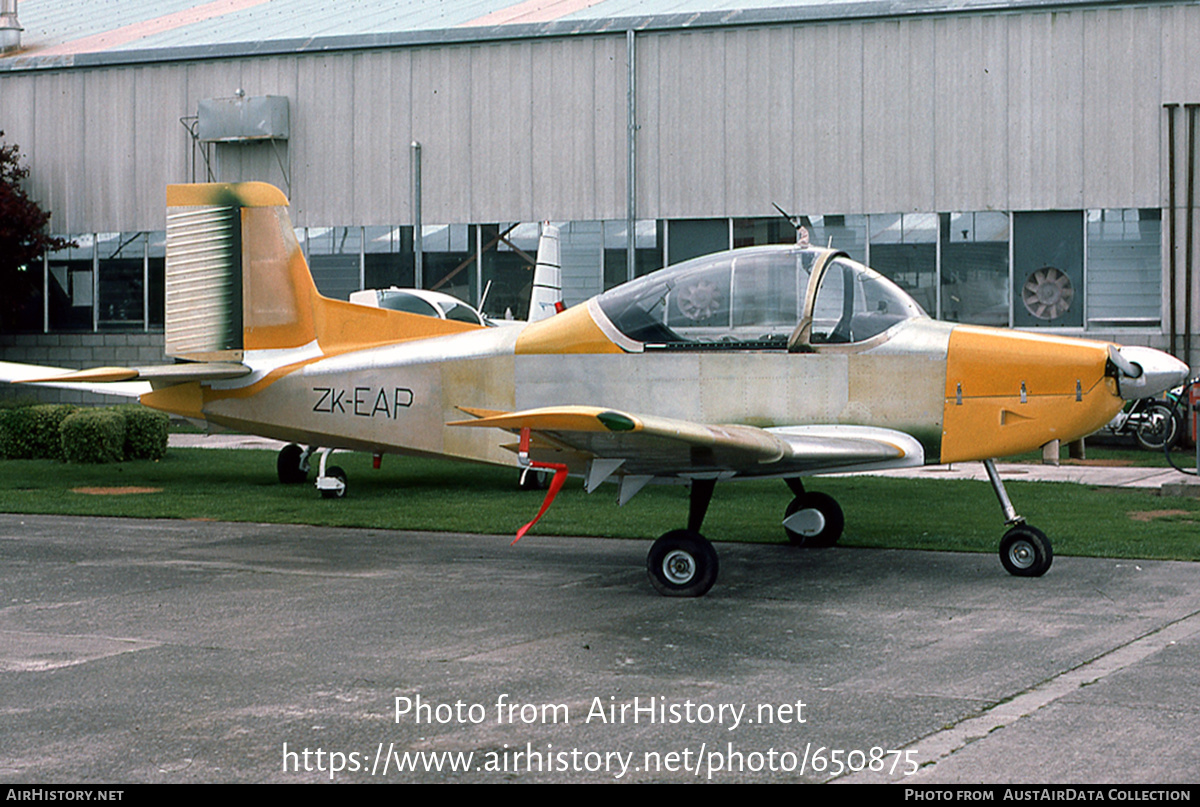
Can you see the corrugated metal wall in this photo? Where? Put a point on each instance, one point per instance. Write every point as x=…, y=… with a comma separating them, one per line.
x=965, y=112
x=1025, y=111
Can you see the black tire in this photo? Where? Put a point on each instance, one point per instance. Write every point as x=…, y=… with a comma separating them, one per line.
x=531, y=480
x=337, y=473
x=682, y=563
x=826, y=530
x=287, y=465
x=1157, y=427
x=1025, y=551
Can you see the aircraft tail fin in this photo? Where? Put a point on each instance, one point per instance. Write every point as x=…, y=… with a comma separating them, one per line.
x=546, y=298
x=237, y=280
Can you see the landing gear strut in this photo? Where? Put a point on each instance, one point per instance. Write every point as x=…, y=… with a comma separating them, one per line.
x=682, y=563
x=1025, y=551
x=331, y=481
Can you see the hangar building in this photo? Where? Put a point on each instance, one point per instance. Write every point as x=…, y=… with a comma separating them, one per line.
x=1025, y=163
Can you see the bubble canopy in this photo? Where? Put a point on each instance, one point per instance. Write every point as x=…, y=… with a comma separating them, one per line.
x=757, y=298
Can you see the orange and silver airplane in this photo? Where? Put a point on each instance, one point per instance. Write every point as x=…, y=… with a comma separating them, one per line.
x=781, y=361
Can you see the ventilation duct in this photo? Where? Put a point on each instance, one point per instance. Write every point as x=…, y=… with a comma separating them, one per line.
x=10, y=29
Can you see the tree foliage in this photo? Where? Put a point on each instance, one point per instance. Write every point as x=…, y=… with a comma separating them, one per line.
x=23, y=240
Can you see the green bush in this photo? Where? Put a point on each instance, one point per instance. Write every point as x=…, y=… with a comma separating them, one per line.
x=94, y=435
x=6, y=418
x=32, y=432
x=145, y=432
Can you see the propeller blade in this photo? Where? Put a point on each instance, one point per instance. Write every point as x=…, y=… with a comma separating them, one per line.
x=1124, y=365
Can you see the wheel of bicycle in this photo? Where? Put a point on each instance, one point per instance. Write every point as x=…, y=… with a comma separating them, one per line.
x=1158, y=427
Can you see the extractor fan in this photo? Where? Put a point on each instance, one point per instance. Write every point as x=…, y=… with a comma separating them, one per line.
x=700, y=301
x=1047, y=293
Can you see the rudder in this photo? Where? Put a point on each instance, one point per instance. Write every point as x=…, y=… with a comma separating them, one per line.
x=237, y=281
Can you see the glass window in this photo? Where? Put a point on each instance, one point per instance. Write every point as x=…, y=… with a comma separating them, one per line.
x=845, y=233
x=757, y=232
x=21, y=305
x=904, y=249
x=156, y=269
x=691, y=238
x=121, y=281
x=459, y=312
x=509, y=255
x=750, y=299
x=855, y=303
x=449, y=259
x=581, y=243
x=70, y=286
x=648, y=256
x=767, y=295
x=700, y=297
x=1048, y=268
x=406, y=301
x=975, y=268
x=334, y=259
x=388, y=257
x=1124, y=267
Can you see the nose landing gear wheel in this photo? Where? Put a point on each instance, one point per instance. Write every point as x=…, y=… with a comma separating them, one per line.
x=335, y=491
x=813, y=520
x=682, y=563
x=1025, y=551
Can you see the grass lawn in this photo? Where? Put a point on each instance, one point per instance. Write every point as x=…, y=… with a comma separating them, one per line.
x=417, y=494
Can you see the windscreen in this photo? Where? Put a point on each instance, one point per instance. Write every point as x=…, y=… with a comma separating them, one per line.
x=742, y=298
x=855, y=303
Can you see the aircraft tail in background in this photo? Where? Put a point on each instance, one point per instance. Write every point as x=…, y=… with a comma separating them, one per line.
x=546, y=299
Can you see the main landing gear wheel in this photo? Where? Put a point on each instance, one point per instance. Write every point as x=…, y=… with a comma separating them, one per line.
x=532, y=480
x=290, y=465
x=337, y=492
x=682, y=563
x=1025, y=551
x=813, y=520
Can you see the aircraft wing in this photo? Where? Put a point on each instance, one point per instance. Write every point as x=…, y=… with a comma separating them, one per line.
x=129, y=382
x=651, y=446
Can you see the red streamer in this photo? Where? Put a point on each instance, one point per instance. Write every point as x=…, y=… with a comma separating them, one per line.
x=560, y=476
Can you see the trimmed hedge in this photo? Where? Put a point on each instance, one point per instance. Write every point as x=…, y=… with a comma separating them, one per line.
x=32, y=432
x=64, y=432
x=145, y=432
x=94, y=435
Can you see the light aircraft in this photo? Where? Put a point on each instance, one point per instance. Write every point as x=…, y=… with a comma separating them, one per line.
x=419, y=301
x=545, y=297
x=780, y=361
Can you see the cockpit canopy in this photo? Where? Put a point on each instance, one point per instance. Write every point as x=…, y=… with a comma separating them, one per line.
x=758, y=298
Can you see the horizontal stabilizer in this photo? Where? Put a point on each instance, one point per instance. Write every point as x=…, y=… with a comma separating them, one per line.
x=61, y=378
x=159, y=375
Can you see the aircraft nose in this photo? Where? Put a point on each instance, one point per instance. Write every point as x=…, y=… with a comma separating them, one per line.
x=1143, y=372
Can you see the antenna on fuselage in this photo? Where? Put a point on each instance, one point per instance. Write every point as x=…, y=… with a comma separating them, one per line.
x=802, y=224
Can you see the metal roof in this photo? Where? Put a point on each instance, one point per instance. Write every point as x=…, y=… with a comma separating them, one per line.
x=63, y=33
